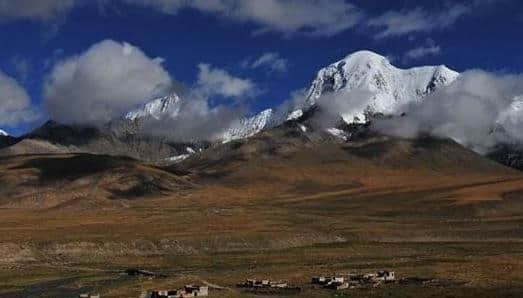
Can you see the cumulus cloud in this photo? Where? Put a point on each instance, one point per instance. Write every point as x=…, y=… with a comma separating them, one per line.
x=198, y=119
x=40, y=10
x=270, y=61
x=478, y=110
x=333, y=107
x=396, y=23
x=216, y=81
x=428, y=49
x=15, y=104
x=313, y=17
x=104, y=82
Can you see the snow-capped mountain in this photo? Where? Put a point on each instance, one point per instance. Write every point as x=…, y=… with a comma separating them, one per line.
x=389, y=87
x=3, y=133
x=170, y=106
x=157, y=108
x=246, y=127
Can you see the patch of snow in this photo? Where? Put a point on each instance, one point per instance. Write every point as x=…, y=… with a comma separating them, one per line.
x=3, y=133
x=338, y=133
x=302, y=127
x=190, y=150
x=178, y=158
x=296, y=114
x=248, y=127
x=158, y=108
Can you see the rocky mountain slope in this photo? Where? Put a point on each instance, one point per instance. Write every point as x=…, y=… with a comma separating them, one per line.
x=112, y=139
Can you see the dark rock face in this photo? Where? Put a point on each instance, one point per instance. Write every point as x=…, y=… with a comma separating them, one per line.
x=118, y=138
x=6, y=141
x=510, y=155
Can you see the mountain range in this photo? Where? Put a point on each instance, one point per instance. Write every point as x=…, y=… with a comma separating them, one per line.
x=391, y=88
x=309, y=178
x=360, y=87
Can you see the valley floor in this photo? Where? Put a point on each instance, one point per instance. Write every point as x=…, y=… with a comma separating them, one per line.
x=466, y=229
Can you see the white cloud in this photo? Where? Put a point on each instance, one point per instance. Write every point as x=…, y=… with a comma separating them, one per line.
x=468, y=111
x=428, y=49
x=35, y=10
x=313, y=17
x=396, y=23
x=215, y=81
x=103, y=83
x=196, y=121
x=271, y=61
x=15, y=104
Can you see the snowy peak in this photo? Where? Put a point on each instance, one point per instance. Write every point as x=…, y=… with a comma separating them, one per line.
x=248, y=127
x=171, y=106
x=3, y=133
x=158, y=108
x=391, y=87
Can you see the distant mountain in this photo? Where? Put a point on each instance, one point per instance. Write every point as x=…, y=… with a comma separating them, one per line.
x=170, y=106
x=390, y=87
x=247, y=127
x=115, y=138
x=157, y=108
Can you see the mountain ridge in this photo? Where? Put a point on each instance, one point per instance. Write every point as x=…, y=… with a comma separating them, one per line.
x=366, y=70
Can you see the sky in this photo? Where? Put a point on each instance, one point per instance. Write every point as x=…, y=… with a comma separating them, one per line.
x=90, y=61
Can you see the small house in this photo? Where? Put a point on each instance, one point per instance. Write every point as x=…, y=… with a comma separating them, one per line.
x=386, y=275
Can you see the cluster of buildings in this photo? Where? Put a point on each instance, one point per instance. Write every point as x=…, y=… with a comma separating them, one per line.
x=267, y=286
x=87, y=295
x=354, y=280
x=264, y=283
x=187, y=291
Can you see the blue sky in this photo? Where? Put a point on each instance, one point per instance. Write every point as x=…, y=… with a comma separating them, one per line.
x=296, y=38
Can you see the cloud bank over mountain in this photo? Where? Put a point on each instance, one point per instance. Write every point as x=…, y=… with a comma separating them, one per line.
x=15, y=104
x=478, y=110
x=103, y=83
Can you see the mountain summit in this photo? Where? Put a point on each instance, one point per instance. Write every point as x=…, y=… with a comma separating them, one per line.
x=390, y=87
x=158, y=108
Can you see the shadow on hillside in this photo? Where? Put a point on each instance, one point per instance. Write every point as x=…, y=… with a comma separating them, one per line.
x=72, y=168
x=144, y=187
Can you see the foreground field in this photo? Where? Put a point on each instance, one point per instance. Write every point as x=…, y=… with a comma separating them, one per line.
x=478, y=244
x=423, y=212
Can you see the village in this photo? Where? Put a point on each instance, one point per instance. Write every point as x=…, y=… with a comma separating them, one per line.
x=336, y=282
x=187, y=291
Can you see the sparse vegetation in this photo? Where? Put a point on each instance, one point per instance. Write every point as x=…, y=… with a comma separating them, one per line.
x=264, y=216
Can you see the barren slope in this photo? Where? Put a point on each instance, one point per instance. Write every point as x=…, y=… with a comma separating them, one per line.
x=283, y=204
